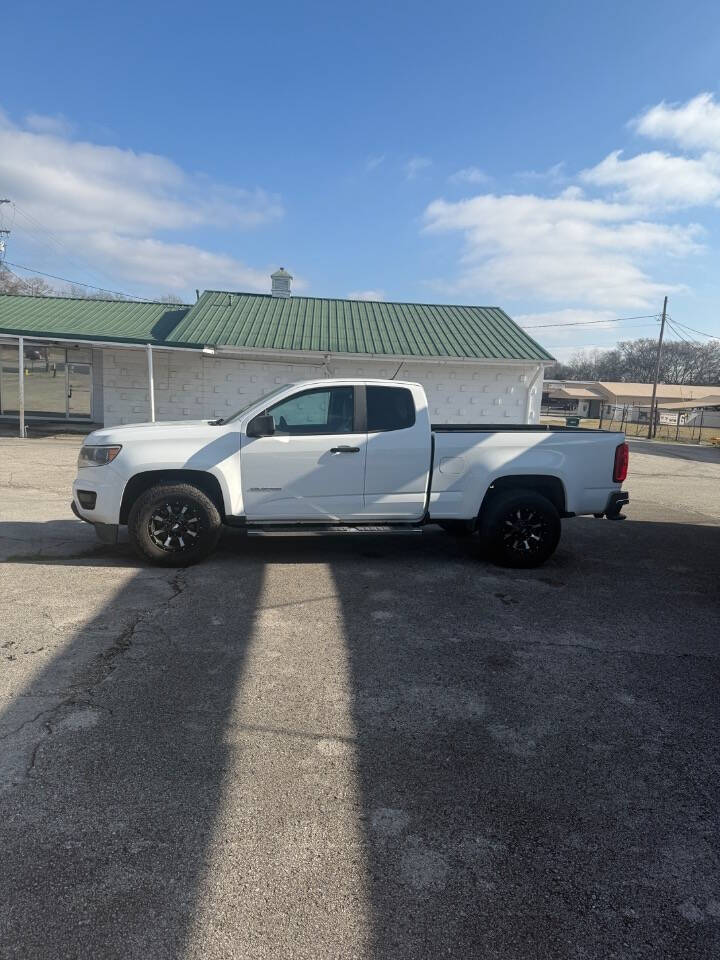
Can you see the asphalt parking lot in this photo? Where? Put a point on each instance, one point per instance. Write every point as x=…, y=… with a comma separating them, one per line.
x=361, y=747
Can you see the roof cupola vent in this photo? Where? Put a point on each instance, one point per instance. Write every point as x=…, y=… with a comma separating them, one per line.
x=281, y=283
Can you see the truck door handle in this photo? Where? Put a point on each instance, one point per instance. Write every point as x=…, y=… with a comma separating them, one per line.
x=344, y=449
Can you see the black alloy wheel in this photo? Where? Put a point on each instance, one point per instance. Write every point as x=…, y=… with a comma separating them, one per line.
x=525, y=530
x=175, y=526
x=520, y=528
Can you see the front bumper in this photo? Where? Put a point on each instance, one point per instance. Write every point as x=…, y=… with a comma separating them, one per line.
x=107, y=486
x=105, y=532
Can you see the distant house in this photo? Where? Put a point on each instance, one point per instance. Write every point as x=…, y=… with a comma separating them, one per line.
x=617, y=400
x=94, y=360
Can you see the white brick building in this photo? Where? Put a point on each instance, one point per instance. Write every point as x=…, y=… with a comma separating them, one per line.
x=89, y=360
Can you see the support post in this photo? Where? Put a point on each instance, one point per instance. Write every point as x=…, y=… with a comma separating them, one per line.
x=528, y=404
x=21, y=384
x=702, y=417
x=151, y=382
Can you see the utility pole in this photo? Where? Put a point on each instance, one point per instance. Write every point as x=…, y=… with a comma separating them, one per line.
x=4, y=234
x=651, y=422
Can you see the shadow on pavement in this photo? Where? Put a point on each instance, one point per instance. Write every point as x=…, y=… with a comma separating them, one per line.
x=535, y=755
x=537, y=752
x=105, y=834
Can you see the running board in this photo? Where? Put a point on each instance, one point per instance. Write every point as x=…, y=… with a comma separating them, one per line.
x=327, y=529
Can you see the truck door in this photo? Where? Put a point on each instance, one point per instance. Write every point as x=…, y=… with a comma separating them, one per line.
x=313, y=466
x=398, y=453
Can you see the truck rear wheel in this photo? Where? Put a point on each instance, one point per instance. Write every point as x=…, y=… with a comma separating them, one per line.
x=174, y=524
x=520, y=528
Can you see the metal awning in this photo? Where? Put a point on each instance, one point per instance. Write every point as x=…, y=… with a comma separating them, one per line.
x=713, y=401
x=575, y=393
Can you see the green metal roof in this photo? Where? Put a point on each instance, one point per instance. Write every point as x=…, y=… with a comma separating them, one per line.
x=115, y=320
x=263, y=322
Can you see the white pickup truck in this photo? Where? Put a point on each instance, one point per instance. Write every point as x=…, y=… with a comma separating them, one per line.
x=339, y=456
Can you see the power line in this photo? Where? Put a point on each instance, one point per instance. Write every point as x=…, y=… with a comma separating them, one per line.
x=589, y=346
x=585, y=323
x=678, y=334
x=63, y=247
x=90, y=286
x=693, y=330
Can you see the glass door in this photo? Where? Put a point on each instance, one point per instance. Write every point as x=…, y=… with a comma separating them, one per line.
x=79, y=384
x=45, y=382
x=8, y=379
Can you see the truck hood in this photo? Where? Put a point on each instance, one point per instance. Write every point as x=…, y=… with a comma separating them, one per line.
x=145, y=431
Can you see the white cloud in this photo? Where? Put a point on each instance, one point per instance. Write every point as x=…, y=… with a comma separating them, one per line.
x=366, y=295
x=42, y=123
x=81, y=186
x=564, y=248
x=104, y=202
x=469, y=175
x=571, y=254
x=659, y=179
x=693, y=125
x=373, y=162
x=416, y=165
x=553, y=174
x=172, y=266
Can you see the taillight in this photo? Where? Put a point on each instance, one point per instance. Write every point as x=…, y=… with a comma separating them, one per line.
x=622, y=456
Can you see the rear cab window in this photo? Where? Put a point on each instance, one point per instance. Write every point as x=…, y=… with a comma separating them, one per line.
x=389, y=408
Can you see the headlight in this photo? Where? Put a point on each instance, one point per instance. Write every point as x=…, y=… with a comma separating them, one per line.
x=97, y=456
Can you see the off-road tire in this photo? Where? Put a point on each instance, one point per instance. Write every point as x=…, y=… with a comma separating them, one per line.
x=174, y=525
x=520, y=528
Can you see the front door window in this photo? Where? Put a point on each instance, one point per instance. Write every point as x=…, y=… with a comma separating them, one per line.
x=324, y=410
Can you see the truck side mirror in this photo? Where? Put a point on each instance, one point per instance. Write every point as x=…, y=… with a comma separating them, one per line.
x=263, y=425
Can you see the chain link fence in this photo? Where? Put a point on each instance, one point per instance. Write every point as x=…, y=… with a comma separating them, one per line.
x=634, y=423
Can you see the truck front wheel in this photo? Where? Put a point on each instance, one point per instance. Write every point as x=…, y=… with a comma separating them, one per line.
x=520, y=528
x=174, y=524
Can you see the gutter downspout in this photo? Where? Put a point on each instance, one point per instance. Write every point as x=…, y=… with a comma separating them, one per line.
x=151, y=382
x=21, y=384
x=531, y=386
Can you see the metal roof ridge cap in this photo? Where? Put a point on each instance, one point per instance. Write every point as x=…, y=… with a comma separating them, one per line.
x=401, y=303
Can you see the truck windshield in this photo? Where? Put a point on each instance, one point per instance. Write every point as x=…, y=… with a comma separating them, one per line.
x=252, y=403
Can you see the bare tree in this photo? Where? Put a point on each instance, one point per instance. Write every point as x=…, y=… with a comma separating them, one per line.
x=30, y=286
x=634, y=361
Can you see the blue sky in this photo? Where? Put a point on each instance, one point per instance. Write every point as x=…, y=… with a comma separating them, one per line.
x=456, y=152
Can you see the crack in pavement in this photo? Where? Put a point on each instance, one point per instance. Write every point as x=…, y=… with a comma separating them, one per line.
x=105, y=661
